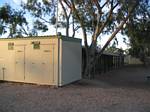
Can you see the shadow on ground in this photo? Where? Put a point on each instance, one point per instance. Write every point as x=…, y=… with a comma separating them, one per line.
x=126, y=77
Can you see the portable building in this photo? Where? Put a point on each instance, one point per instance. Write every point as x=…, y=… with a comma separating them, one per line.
x=47, y=60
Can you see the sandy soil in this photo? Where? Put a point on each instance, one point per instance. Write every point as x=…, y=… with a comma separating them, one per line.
x=124, y=90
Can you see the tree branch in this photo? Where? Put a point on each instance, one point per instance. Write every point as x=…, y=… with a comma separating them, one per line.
x=116, y=31
x=43, y=19
x=107, y=20
x=98, y=6
x=100, y=29
x=25, y=32
x=67, y=3
x=81, y=23
x=66, y=16
x=104, y=4
x=64, y=10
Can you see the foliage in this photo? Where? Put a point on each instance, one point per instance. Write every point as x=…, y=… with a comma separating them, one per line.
x=43, y=11
x=45, y=14
x=138, y=30
x=12, y=21
x=100, y=17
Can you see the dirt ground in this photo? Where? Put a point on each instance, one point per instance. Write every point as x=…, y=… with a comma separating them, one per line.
x=123, y=90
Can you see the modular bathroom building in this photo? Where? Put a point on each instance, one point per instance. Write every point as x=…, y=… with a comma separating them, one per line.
x=45, y=60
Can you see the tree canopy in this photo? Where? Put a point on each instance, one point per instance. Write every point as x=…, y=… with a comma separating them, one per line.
x=12, y=21
x=99, y=17
x=138, y=31
x=44, y=13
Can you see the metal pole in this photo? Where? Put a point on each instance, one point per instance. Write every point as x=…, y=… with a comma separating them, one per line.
x=57, y=18
x=3, y=73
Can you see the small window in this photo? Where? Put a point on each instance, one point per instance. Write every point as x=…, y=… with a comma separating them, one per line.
x=36, y=44
x=11, y=46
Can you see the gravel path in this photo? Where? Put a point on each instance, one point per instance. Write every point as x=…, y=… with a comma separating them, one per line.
x=124, y=90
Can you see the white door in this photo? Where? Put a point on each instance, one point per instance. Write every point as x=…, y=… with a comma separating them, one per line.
x=2, y=70
x=40, y=65
x=47, y=62
x=20, y=63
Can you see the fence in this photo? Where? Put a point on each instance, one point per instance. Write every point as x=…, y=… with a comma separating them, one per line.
x=106, y=62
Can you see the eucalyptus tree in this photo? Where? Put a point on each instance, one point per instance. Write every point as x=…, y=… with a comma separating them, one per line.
x=42, y=11
x=47, y=13
x=138, y=31
x=67, y=15
x=100, y=17
x=12, y=22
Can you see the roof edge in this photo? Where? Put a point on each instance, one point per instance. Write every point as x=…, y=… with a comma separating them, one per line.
x=62, y=37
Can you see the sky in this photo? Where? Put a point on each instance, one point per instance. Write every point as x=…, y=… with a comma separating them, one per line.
x=15, y=4
x=12, y=2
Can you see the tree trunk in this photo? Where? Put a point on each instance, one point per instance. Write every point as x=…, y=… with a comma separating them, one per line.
x=67, y=27
x=67, y=17
x=88, y=67
x=91, y=53
x=90, y=62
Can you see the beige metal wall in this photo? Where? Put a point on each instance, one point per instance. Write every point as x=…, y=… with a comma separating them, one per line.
x=42, y=65
x=57, y=62
x=7, y=68
x=25, y=64
x=70, y=62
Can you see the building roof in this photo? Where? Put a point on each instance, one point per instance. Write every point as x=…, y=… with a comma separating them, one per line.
x=64, y=38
